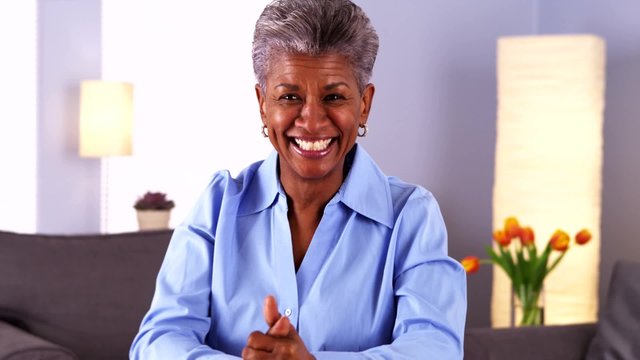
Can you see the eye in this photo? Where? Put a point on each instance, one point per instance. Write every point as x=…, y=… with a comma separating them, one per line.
x=289, y=97
x=333, y=97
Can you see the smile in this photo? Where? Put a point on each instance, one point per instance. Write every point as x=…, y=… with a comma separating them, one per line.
x=318, y=145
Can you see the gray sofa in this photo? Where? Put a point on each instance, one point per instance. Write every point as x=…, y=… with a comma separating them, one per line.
x=75, y=296
x=616, y=336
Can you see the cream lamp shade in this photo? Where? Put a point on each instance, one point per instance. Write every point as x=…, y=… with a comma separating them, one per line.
x=548, y=169
x=106, y=113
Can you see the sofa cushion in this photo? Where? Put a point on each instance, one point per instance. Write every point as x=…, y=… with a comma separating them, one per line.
x=16, y=344
x=566, y=342
x=618, y=332
x=87, y=293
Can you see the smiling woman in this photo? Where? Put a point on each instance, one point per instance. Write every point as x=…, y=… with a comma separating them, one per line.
x=264, y=265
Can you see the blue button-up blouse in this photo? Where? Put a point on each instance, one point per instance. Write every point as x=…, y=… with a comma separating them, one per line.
x=375, y=283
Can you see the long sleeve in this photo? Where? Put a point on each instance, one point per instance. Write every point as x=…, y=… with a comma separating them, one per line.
x=178, y=321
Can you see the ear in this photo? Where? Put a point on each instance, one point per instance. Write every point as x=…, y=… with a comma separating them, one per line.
x=367, y=100
x=261, y=103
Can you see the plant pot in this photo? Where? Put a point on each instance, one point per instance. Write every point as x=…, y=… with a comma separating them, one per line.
x=153, y=219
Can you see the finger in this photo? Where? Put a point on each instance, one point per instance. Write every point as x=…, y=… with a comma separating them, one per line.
x=260, y=341
x=253, y=354
x=293, y=333
x=281, y=327
x=270, y=311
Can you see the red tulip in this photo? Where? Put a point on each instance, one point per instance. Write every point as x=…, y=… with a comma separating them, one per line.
x=526, y=236
x=583, y=237
x=560, y=241
x=471, y=264
x=502, y=239
x=511, y=228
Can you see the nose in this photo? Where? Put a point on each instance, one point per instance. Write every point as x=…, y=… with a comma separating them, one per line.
x=313, y=115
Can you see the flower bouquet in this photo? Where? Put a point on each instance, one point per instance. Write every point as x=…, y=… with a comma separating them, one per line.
x=518, y=256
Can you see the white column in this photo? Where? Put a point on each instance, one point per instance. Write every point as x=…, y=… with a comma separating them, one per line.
x=18, y=133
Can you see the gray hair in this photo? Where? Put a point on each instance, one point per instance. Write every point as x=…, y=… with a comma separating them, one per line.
x=315, y=27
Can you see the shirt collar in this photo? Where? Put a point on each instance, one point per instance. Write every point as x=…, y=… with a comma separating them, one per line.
x=365, y=189
x=263, y=188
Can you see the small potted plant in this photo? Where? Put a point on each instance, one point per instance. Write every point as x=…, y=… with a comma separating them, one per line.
x=153, y=210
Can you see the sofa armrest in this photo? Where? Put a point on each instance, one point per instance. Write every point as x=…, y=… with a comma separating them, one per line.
x=562, y=342
x=17, y=344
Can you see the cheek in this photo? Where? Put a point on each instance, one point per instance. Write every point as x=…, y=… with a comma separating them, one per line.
x=346, y=119
x=280, y=118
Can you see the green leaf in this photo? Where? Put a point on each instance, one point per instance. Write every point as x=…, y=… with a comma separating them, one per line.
x=499, y=261
x=533, y=255
x=541, y=268
x=516, y=272
x=523, y=265
x=555, y=263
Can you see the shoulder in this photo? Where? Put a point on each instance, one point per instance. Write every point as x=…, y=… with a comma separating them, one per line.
x=382, y=198
x=223, y=191
x=223, y=186
x=411, y=200
x=222, y=183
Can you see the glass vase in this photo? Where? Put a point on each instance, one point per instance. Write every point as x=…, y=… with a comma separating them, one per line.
x=527, y=307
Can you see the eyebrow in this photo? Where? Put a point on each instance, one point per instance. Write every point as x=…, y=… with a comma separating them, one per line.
x=335, y=85
x=287, y=86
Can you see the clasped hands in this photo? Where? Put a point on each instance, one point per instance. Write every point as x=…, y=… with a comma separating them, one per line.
x=281, y=341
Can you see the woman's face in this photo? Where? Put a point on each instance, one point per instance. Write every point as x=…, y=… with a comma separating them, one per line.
x=312, y=108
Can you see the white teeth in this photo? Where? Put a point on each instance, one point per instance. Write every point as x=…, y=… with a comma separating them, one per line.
x=318, y=145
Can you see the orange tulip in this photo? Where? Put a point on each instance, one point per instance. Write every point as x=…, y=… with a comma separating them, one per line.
x=502, y=239
x=560, y=241
x=526, y=236
x=583, y=237
x=471, y=264
x=511, y=228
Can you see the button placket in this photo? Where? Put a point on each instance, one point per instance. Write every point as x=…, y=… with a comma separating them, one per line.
x=285, y=270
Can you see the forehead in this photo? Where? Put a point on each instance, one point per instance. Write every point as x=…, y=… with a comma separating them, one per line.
x=297, y=67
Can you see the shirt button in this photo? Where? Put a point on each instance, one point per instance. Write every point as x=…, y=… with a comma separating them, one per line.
x=287, y=312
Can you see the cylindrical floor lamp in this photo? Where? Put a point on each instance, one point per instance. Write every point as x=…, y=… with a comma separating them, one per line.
x=548, y=170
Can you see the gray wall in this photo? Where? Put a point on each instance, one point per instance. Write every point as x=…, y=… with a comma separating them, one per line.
x=434, y=112
x=68, y=51
x=433, y=119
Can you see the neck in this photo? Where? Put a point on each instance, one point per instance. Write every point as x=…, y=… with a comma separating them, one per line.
x=309, y=194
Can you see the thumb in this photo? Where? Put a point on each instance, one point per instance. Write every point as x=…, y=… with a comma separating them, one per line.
x=270, y=311
x=282, y=327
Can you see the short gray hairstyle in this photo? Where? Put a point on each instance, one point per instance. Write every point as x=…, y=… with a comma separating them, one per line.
x=315, y=27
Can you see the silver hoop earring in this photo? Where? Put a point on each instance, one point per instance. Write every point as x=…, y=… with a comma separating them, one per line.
x=264, y=131
x=365, y=130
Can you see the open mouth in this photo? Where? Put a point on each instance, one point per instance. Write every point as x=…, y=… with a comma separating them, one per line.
x=313, y=145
